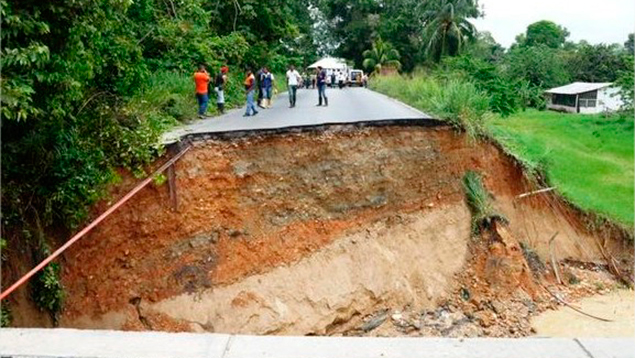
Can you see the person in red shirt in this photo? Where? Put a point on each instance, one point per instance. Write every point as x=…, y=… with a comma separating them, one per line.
x=201, y=78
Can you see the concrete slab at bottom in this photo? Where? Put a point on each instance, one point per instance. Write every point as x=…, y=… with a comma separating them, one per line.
x=116, y=344
x=608, y=348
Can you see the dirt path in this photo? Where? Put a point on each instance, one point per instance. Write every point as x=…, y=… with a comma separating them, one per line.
x=618, y=306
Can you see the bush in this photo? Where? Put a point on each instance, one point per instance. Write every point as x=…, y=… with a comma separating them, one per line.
x=5, y=316
x=453, y=100
x=48, y=292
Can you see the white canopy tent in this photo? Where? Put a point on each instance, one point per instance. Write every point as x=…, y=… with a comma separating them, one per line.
x=330, y=63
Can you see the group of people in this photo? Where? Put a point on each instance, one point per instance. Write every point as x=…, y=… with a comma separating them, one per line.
x=263, y=82
x=319, y=80
x=203, y=84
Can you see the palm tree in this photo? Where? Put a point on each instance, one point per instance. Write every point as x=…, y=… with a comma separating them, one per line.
x=382, y=54
x=446, y=28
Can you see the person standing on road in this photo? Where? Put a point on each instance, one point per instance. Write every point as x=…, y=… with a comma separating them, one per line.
x=333, y=79
x=267, y=87
x=307, y=81
x=250, y=86
x=321, y=84
x=201, y=78
x=365, y=80
x=219, y=86
x=293, y=79
x=258, y=86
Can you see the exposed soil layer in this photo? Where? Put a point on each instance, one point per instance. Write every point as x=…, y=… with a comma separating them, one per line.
x=311, y=233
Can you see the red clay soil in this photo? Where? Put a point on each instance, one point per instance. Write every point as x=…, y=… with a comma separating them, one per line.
x=249, y=205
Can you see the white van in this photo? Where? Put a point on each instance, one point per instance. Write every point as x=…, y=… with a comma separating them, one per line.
x=355, y=78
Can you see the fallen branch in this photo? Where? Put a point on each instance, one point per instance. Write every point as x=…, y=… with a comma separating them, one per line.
x=574, y=308
x=554, y=265
x=535, y=192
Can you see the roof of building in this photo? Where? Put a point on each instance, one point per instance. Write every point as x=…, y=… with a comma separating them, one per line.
x=579, y=87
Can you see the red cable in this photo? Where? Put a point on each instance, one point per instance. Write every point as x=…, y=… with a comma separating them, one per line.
x=85, y=230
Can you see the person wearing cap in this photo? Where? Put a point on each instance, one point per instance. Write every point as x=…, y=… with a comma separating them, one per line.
x=219, y=83
x=201, y=78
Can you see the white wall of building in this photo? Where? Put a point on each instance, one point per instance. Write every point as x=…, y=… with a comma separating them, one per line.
x=609, y=99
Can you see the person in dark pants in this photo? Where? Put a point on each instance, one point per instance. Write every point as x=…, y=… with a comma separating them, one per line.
x=333, y=79
x=321, y=85
x=258, y=82
x=266, y=85
x=201, y=78
x=293, y=79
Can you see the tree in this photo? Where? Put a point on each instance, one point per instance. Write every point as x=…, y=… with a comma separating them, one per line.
x=597, y=63
x=541, y=66
x=544, y=32
x=353, y=24
x=447, y=29
x=485, y=47
x=629, y=44
x=626, y=83
x=381, y=55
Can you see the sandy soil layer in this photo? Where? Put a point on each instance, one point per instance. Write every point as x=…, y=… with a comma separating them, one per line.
x=617, y=306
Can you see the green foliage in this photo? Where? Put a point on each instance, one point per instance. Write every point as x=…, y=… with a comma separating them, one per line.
x=588, y=158
x=479, y=200
x=3, y=246
x=598, y=63
x=488, y=78
x=5, y=316
x=455, y=101
x=545, y=33
x=89, y=86
x=484, y=47
x=541, y=66
x=381, y=55
x=47, y=289
x=629, y=45
x=626, y=85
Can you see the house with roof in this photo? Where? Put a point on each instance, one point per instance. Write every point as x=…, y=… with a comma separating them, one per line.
x=584, y=97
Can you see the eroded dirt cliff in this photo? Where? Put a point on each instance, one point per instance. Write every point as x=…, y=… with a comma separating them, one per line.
x=307, y=233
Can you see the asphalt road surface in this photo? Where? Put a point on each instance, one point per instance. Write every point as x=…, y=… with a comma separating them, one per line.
x=348, y=105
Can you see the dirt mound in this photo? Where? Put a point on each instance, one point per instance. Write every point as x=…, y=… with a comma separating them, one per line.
x=312, y=233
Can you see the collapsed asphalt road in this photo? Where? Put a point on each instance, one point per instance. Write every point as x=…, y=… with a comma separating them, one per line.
x=348, y=105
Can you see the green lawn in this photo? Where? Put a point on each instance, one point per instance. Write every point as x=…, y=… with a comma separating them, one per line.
x=587, y=157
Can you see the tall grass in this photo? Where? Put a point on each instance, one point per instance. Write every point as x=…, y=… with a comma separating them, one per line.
x=452, y=100
x=479, y=201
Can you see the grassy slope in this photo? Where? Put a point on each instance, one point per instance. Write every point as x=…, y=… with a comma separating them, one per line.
x=587, y=157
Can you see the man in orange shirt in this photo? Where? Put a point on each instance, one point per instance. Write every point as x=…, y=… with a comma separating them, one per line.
x=250, y=86
x=201, y=78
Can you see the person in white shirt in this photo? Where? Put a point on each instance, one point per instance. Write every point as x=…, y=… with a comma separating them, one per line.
x=293, y=79
x=340, y=79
